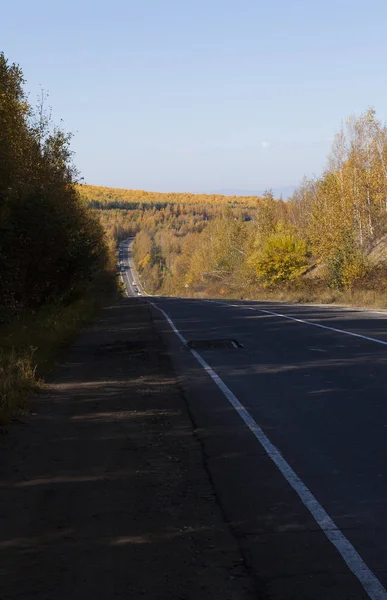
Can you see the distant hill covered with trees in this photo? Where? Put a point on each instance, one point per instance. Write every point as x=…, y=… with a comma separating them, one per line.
x=326, y=243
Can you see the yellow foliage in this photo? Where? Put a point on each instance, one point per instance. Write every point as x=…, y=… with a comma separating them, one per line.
x=213, y=242
x=145, y=261
x=353, y=271
x=106, y=195
x=282, y=258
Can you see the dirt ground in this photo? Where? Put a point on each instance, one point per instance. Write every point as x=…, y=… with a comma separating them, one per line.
x=103, y=489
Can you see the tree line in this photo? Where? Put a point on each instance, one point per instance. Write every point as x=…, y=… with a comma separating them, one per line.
x=104, y=197
x=51, y=245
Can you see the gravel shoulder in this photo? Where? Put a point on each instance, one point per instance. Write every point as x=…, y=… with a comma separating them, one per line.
x=104, y=491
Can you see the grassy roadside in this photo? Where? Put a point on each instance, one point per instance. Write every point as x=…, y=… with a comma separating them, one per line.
x=351, y=298
x=358, y=298
x=31, y=344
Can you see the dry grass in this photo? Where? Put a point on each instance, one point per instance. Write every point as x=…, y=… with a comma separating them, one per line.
x=308, y=293
x=17, y=380
x=31, y=344
x=354, y=298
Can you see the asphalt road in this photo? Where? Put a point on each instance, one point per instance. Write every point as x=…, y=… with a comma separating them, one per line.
x=293, y=422
x=126, y=266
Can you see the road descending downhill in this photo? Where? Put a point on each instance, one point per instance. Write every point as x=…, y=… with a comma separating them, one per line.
x=289, y=403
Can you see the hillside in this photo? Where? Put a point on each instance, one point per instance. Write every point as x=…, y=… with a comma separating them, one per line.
x=105, y=197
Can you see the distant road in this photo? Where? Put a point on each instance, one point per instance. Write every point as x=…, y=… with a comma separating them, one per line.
x=290, y=404
x=127, y=272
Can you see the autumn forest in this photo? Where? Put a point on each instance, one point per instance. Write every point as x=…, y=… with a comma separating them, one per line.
x=326, y=243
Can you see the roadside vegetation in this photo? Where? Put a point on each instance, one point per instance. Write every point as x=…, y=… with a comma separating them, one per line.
x=56, y=267
x=328, y=243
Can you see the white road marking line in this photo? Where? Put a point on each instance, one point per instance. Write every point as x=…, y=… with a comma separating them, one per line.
x=352, y=558
x=358, y=335
x=270, y=312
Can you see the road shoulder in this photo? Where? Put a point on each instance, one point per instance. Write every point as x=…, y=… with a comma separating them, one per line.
x=104, y=491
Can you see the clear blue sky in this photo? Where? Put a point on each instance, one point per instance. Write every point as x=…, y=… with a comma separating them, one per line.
x=201, y=95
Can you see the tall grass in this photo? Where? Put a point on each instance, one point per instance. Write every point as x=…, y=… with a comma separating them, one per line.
x=32, y=344
x=17, y=380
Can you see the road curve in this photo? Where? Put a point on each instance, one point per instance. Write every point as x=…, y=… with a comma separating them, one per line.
x=313, y=380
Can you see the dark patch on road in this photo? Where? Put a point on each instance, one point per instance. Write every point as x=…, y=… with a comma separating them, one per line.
x=134, y=348
x=214, y=344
